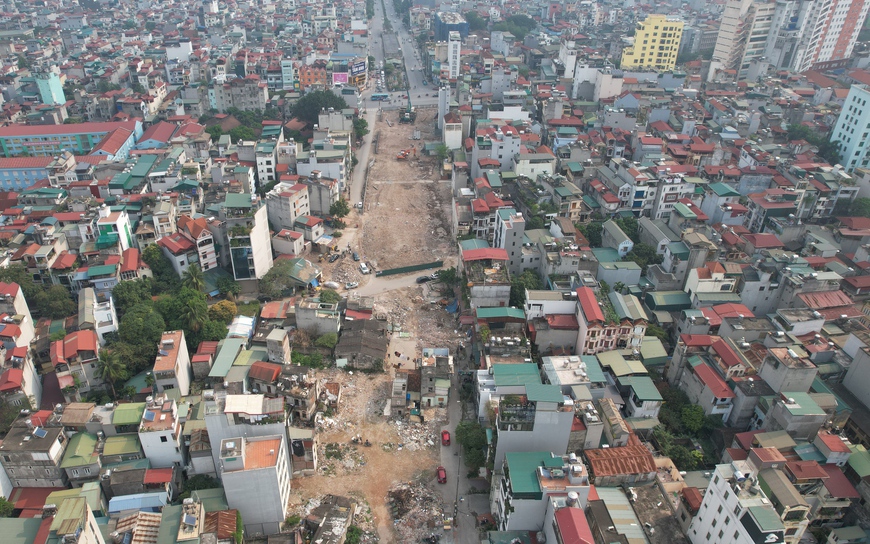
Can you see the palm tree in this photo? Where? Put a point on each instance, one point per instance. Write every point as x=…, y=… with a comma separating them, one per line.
x=193, y=278
x=618, y=287
x=110, y=369
x=195, y=315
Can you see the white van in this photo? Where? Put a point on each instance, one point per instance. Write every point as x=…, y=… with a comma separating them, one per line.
x=363, y=268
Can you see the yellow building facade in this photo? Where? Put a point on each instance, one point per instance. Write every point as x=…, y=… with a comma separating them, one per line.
x=656, y=44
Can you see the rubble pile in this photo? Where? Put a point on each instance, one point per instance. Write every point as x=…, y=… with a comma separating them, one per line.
x=336, y=458
x=415, y=436
x=416, y=511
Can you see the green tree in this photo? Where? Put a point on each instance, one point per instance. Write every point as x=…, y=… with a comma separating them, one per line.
x=860, y=208
x=228, y=286
x=111, y=369
x=242, y=133
x=604, y=287
x=354, y=535
x=360, y=127
x=130, y=293
x=328, y=340
x=618, y=287
x=309, y=106
x=654, y=330
x=165, y=278
x=442, y=152
x=57, y=335
x=518, y=25
x=54, y=302
x=475, y=21
x=211, y=330
x=215, y=131
x=277, y=282
x=339, y=208
x=329, y=296
x=630, y=227
x=519, y=284
x=448, y=276
x=644, y=255
x=828, y=150
x=141, y=325
x=692, y=417
x=196, y=483
x=472, y=437
x=592, y=232
x=194, y=317
x=193, y=278
x=6, y=508
x=224, y=311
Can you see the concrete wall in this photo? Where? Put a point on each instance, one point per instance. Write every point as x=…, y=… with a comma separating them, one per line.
x=255, y=495
x=550, y=433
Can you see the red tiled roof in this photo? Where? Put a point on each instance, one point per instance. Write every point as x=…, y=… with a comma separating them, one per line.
x=160, y=132
x=157, y=476
x=130, y=259
x=11, y=380
x=10, y=289
x=732, y=310
x=838, y=485
x=858, y=282
x=727, y=354
x=589, y=304
x=264, y=372
x=566, y=322
x=357, y=315
x=573, y=527
x=713, y=381
x=276, y=309
x=175, y=243
x=634, y=459
x=484, y=253
x=833, y=442
x=13, y=131
x=805, y=470
x=825, y=299
x=763, y=240
x=64, y=260
x=697, y=340
x=693, y=498
x=113, y=141
x=75, y=342
x=25, y=162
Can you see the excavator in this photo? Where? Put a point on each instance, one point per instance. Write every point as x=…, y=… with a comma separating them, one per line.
x=403, y=154
x=410, y=113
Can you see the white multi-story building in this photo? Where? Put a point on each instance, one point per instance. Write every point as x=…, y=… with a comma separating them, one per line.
x=737, y=510
x=288, y=74
x=172, y=369
x=742, y=36
x=255, y=473
x=160, y=433
x=510, y=227
x=286, y=202
x=853, y=127
x=454, y=56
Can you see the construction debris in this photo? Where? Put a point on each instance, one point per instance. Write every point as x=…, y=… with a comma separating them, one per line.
x=416, y=511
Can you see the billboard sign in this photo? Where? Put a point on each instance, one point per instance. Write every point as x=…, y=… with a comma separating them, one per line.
x=339, y=78
x=358, y=69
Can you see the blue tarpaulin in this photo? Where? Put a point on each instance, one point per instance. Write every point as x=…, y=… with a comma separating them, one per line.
x=453, y=307
x=314, y=282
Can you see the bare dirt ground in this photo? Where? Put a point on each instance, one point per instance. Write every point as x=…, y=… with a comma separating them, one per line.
x=406, y=219
x=400, y=453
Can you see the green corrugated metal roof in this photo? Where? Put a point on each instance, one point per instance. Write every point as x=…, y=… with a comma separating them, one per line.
x=593, y=369
x=684, y=211
x=722, y=189
x=226, y=356
x=238, y=200
x=860, y=460
x=523, y=467
x=537, y=392
x=90, y=491
x=128, y=414
x=519, y=374
x=21, y=530
x=80, y=451
x=643, y=387
x=619, y=365
x=122, y=444
x=652, y=351
x=591, y=202
x=766, y=517
x=804, y=404
x=496, y=312
x=103, y=270
x=679, y=249
x=474, y=243
x=668, y=300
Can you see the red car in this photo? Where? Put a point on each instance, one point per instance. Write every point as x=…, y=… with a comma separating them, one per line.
x=445, y=438
x=442, y=475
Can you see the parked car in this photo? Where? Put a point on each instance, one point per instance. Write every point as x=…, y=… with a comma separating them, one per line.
x=424, y=279
x=356, y=256
x=334, y=257
x=445, y=438
x=351, y=285
x=363, y=268
x=441, y=472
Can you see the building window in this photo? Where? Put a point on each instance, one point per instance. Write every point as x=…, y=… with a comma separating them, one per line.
x=163, y=439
